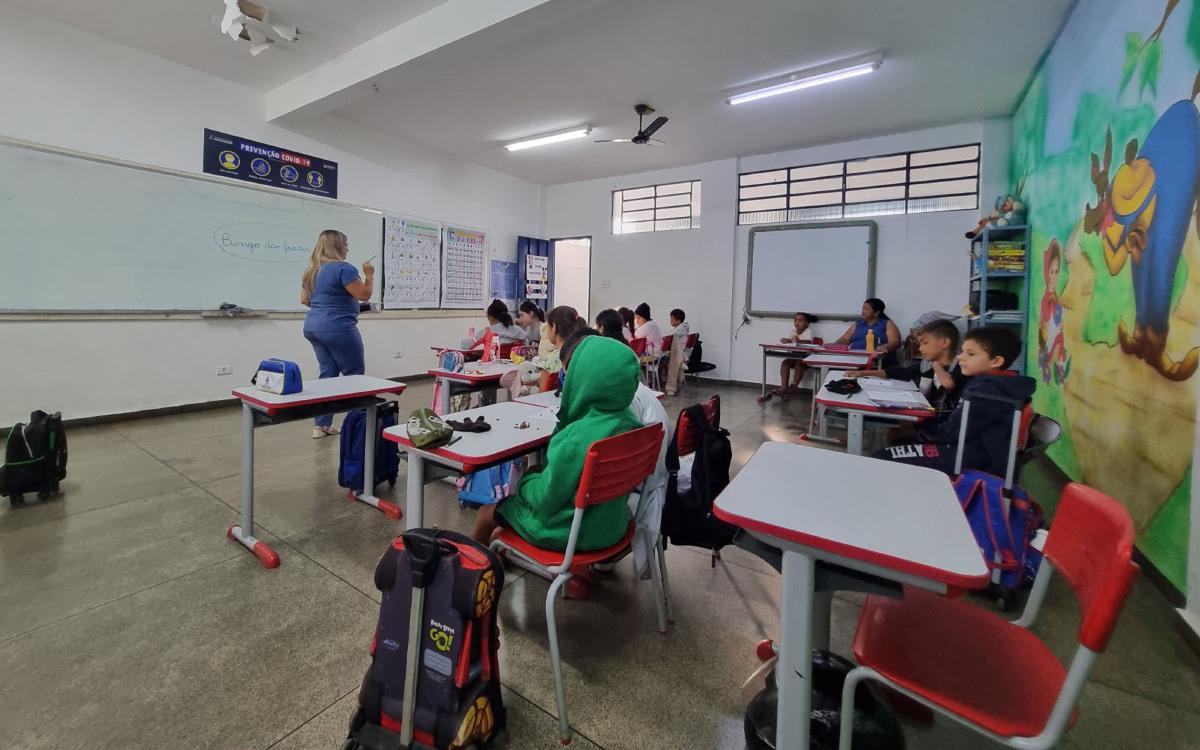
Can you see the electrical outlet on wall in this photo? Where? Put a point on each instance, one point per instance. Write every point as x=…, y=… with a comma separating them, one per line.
x=397, y=354
x=224, y=369
x=606, y=283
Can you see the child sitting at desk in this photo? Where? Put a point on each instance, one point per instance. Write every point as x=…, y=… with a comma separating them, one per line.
x=602, y=380
x=609, y=323
x=994, y=392
x=533, y=319
x=680, y=330
x=937, y=372
x=794, y=368
x=500, y=322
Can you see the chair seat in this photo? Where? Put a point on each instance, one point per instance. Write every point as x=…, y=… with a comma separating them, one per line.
x=962, y=658
x=550, y=557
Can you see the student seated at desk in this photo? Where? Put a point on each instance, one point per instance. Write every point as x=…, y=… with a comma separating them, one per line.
x=533, y=320
x=647, y=329
x=680, y=330
x=936, y=373
x=627, y=319
x=500, y=322
x=986, y=355
x=601, y=382
x=609, y=323
x=793, y=369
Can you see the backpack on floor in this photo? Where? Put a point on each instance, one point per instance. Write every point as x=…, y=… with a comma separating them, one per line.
x=35, y=458
x=696, y=363
x=455, y=584
x=687, y=517
x=387, y=453
x=488, y=486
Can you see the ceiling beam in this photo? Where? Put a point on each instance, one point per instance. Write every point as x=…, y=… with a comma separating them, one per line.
x=350, y=76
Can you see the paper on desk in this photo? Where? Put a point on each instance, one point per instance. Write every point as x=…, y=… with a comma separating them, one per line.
x=898, y=385
x=894, y=398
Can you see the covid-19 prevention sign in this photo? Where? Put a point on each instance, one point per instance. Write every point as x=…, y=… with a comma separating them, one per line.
x=231, y=156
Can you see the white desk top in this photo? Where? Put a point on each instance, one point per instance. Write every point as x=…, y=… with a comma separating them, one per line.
x=318, y=391
x=475, y=449
x=477, y=372
x=841, y=359
x=547, y=399
x=860, y=402
x=892, y=515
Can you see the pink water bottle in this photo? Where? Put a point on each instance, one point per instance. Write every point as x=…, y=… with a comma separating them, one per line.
x=471, y=333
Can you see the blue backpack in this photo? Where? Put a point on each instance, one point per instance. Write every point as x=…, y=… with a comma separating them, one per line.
x=387, y=453
x=486, y=486
x=1004, y=540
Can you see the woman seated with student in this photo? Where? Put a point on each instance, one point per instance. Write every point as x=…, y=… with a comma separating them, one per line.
x=885, y=333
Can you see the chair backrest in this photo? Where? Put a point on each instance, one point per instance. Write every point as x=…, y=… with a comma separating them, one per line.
x=1091, y=544
x=818, y=341
x=615, y=466
x=639, y=346
x=1027, y=416
x=688, y=434
x=506, y=350
x=691, y=340
x=667, y=342
x=549, y=382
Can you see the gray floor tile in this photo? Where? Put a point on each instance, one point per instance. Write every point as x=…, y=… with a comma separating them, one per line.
x=61, y=567
x=233, y=656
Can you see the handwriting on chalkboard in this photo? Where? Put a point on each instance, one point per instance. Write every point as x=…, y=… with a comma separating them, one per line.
x=265, y=243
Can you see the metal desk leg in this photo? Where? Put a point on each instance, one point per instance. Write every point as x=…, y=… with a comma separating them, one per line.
x=816, y=414
x=794, y=669
x=415, y=490
x=244, y=532
x=854, y=433
x=764, y=378
x=822, y=619
x=445, y=390
x=367, y=495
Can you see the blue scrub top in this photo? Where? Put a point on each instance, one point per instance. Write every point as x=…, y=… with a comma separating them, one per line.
x=330, y=306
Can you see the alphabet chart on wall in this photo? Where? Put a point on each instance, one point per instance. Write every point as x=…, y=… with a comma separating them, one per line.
x=464, y=266
x=412, y=251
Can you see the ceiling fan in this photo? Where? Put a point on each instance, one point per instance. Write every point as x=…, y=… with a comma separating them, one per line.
x=643, y=135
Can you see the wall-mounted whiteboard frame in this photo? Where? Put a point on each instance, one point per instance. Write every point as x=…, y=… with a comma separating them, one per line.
x=195, y=176
x=765, y=309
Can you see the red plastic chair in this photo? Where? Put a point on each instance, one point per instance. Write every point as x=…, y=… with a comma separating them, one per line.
x=639, y=346
x=990, y=674
x=651, y=371
x=614, y=467
x=688, y=434
x=506, y=350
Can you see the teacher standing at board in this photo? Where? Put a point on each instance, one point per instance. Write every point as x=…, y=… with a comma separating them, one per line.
x=331, y=290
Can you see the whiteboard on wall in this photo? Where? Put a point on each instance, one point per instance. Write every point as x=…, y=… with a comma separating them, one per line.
x=83, y=233
x=827, y=269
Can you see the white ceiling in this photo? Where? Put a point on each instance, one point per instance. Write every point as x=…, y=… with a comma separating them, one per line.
x=543, y=65
x=186, y=31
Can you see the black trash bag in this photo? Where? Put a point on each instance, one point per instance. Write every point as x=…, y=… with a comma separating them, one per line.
x=875, y=725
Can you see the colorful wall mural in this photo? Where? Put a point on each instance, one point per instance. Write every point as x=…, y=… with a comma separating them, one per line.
x=1107, y=144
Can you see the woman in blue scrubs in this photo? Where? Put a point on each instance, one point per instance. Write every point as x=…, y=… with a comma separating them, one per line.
x=332, y=290
x=887, y=335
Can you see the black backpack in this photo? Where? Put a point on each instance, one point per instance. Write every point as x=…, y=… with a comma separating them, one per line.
x=687, y=518
x=35, y=458
x=696, y=363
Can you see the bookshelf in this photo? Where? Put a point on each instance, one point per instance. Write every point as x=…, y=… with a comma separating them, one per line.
x=1000, y=264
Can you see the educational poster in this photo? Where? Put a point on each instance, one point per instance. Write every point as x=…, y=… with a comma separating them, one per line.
x=537, y=276
x=412, y=263
x=504, y=282
x=1106, y=149
x=241, y=159
x=464, y=263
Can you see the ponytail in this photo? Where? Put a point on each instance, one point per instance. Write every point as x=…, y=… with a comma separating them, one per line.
x=499, y=311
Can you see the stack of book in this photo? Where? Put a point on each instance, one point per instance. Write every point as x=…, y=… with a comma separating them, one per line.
x=1006, y=257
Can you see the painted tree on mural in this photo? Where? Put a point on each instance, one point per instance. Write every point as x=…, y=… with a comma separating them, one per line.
x=1111, y=169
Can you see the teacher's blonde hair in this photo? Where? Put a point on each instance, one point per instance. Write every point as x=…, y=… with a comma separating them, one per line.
x=330, y=247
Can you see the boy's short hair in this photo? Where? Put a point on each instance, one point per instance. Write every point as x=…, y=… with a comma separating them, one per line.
x=997, y=341
x=680, y=314
x=942, y=329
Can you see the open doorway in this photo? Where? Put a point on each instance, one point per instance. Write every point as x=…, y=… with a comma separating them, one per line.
x=573, y=274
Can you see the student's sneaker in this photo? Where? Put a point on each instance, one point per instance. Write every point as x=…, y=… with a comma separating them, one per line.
x=320, y=432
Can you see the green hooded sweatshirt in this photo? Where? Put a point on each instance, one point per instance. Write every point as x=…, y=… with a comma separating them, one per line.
x=599, y=387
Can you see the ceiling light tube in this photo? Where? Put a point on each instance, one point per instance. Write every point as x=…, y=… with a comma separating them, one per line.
x=805, y=79
x=544, y=140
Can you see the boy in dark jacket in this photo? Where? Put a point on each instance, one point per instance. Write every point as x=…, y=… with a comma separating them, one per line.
x=994, y=392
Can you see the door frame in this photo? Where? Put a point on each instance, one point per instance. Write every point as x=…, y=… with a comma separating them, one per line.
x=587, y=237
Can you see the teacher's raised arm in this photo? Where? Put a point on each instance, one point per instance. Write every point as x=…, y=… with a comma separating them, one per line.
x=331, y=289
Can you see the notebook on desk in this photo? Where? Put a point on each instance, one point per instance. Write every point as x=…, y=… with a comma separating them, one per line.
x=895, y=398
x=879, y=383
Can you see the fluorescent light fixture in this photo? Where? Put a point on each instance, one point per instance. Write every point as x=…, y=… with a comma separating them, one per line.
x=545, y=140
x=373, y=211
x=806, y=79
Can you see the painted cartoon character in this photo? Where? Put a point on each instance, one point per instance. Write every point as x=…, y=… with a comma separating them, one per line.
x=1052, y=351
x=1143, y=216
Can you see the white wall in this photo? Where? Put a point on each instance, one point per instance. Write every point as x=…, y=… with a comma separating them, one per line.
x=74, y=90
x=921, y=262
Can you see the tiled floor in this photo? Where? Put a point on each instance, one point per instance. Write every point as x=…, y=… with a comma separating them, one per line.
x=128, y=620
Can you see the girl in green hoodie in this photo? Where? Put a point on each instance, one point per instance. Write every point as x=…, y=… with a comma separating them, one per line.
x=599, y=386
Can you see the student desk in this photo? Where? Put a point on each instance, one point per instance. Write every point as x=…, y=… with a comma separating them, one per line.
x=897, y=522
x=856, y=407
x=825, y=362
x=324, y=396
x=475, y=376
x=472, y=450
x=468, y=354
x=785, y=351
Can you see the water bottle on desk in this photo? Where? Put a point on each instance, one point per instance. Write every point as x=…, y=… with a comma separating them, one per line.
x=870, y=341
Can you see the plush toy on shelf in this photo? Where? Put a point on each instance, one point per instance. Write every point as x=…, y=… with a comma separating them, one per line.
x=1009, y=211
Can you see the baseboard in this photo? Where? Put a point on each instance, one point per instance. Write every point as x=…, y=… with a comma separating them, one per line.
x=165, y=411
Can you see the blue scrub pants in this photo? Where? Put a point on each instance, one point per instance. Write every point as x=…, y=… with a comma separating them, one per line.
x=338, y=353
